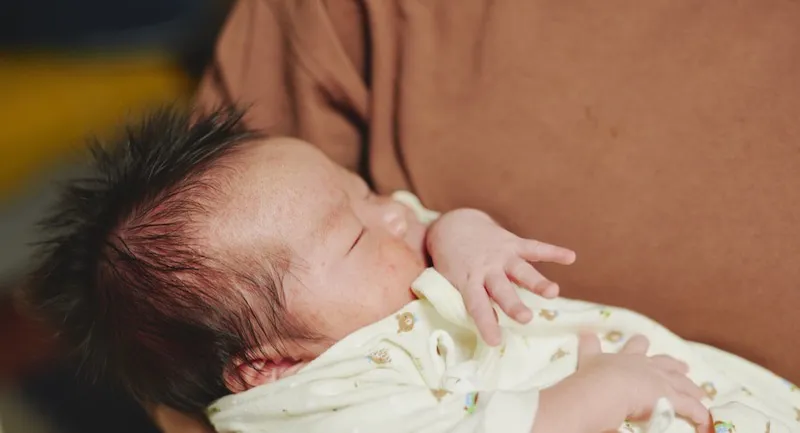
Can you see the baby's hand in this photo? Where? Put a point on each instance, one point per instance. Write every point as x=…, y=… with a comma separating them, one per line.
x=482, y=260
x=633, y=382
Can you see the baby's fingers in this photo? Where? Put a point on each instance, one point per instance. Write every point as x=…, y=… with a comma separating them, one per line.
x=506, y=296
x=480, y=309
x=535, y=251
x=684, y=385
x=588, y=347
x=637, y=345
x=524, y=274
x=670, y=364
x=691, y=408
x=706, y=427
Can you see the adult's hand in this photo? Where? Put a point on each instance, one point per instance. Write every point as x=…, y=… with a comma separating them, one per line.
x=170, y=420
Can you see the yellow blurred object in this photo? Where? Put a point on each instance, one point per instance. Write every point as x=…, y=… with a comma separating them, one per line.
x=48, y=106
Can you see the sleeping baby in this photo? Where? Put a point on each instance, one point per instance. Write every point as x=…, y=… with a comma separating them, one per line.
x=209, y=269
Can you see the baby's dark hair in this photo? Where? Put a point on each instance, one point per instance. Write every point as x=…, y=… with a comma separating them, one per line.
x=124, y=278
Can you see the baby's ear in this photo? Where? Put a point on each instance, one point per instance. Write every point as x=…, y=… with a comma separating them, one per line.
x=242, y=374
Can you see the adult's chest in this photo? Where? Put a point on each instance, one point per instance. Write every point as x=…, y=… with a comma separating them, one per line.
x=662, y=143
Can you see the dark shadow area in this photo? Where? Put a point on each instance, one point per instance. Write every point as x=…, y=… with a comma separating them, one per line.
x=85, y=32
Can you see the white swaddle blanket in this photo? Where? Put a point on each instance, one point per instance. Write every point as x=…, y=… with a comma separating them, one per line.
x=424, y=370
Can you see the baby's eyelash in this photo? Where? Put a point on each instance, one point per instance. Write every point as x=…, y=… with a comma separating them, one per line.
x=363, y=230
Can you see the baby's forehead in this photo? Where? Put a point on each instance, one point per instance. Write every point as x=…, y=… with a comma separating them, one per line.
x=273, y=167
x=294, y=166
x=280, y=189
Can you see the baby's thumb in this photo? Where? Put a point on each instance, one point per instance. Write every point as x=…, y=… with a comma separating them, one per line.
x=588, y=346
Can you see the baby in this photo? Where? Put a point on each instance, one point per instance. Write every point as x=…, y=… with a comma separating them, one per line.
x=206, y=267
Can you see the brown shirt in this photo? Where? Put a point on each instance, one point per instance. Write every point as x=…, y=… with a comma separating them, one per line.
x=660, y=139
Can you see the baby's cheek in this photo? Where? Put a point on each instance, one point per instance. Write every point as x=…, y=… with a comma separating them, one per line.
x=400, y=267
x=401, y=260
x=415, y=240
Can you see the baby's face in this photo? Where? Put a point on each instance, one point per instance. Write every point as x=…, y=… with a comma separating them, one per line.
x=353, y=255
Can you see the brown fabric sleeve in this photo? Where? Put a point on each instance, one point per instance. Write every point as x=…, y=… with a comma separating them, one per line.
x=295, y=84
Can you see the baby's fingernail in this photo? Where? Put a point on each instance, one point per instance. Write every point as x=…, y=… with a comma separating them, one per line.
x=551, y=289
x=523, y=315
x=493, y=339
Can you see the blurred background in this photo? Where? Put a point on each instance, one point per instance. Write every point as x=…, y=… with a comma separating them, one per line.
x=69, y=69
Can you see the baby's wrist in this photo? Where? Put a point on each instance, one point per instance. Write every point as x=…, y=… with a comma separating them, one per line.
x=440, y=229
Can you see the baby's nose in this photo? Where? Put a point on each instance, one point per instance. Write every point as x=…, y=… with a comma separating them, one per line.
x=395, y=219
